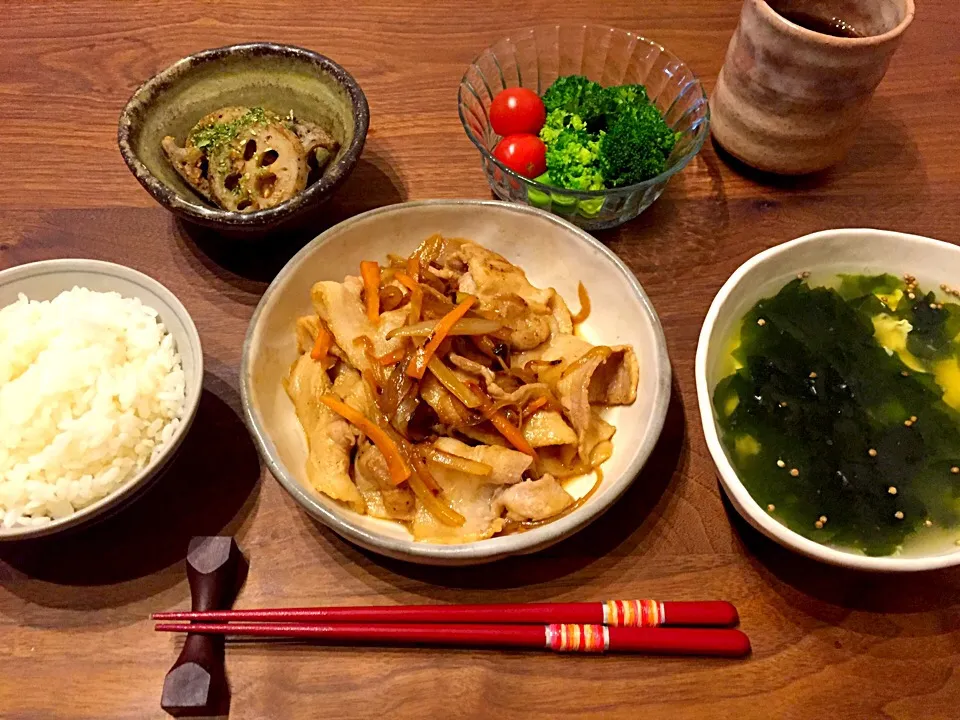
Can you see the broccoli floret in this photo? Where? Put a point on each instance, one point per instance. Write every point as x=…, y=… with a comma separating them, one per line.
x=570, y=93
x=636, y=146
x=576, y=94
x=572, y=152
x=594, y=104
x=559, y=120
x=620, y=96
x=573, y=160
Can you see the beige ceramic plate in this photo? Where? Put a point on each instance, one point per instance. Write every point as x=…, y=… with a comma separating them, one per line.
x=47, y=279
x=553, y=253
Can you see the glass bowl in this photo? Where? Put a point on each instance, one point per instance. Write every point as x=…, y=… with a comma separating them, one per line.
x=534, y=58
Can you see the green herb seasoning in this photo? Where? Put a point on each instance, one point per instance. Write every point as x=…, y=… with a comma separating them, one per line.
x=841, y=416
x=215, y=135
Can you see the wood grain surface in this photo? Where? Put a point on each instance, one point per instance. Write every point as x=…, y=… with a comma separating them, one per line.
x=74, y=637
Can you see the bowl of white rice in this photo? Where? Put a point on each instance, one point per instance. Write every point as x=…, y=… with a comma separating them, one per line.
x=100, y=377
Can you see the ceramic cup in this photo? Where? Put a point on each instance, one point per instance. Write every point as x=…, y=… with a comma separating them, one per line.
x=789, y=100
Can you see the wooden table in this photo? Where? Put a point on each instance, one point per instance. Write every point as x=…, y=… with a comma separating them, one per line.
x=74, y=637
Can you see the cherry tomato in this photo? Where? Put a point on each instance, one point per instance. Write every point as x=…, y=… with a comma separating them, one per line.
x=524, y=154
x=517, y=110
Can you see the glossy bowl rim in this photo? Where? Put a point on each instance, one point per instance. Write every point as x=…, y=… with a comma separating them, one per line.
x=740, y=497
x=176, y=202
x=154, y=468
x=490, y=549
x=680, y=164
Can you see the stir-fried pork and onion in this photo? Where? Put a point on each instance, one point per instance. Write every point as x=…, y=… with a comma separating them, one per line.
x=446, y=392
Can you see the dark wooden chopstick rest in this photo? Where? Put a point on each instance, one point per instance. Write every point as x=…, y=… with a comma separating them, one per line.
x=197, y=683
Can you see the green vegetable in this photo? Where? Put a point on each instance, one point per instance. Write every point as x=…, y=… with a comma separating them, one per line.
x=573, y=160
x=600, y=137
x=536, y=197
x=217, y=134
x=590, y=208
x=572, y=152
x=618, y=97
x=834, y=426
x=575, y=94
x=636, y=146
x=595, y=105
x=561, y=201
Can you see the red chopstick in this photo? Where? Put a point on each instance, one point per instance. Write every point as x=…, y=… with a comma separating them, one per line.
x=626, y=613
x=588, y=638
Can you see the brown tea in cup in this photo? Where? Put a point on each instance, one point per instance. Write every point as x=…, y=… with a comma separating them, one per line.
x=798, y=76
x=838, y=27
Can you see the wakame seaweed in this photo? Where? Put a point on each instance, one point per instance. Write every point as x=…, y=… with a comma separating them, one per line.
x=844, y=440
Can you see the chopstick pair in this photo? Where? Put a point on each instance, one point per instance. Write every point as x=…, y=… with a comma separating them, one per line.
x=639, y=626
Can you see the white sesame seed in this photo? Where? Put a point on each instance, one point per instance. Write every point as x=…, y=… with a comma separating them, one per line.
x=781, y=463
x=898, y=515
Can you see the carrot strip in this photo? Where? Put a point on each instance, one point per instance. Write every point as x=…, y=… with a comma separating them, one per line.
x=416, y=296
x=537, y=404
x=399, y=470
x=511, y=432
x=584, y=305
x=392, y=357
x=418, y=364
x=322, y=344
x=370, y=272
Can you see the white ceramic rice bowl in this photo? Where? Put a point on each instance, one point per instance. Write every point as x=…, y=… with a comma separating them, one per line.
x=46, y=279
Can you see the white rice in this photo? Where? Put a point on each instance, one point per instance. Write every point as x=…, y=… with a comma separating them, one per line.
x=91, y=388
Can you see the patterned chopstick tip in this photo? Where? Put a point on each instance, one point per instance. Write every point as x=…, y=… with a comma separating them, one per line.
x=633, y=613
x=577, y=638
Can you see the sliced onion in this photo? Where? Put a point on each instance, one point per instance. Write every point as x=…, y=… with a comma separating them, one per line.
x=396, y=387
x=584, y=312
x=465, y=326
x=454, y=384
x=455, y=462
x=600, y=351
x=405, y=410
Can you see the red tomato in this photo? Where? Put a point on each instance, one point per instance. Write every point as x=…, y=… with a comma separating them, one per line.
x=524, y=154
x=517, y=110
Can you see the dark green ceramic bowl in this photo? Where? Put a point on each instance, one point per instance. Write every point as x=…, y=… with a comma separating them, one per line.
x=280, y=78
